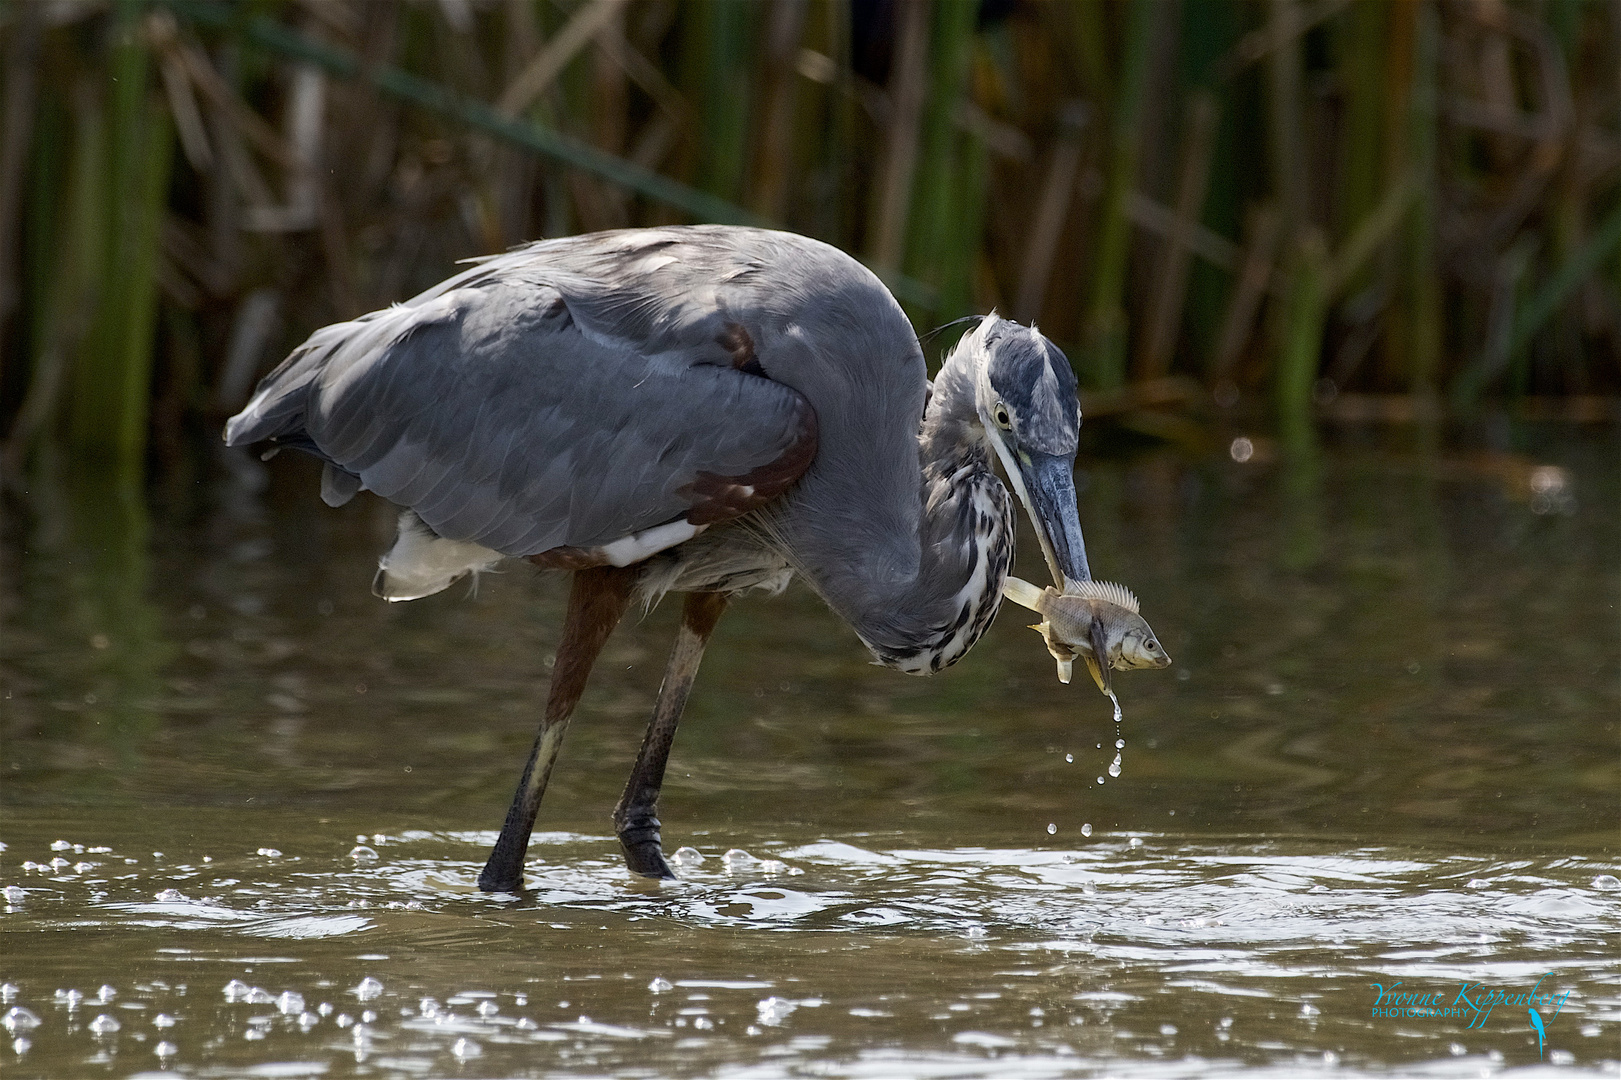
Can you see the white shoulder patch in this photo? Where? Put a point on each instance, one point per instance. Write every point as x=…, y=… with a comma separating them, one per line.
x=1107, y=591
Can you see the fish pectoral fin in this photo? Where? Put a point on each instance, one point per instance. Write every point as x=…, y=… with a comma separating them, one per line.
x=1066, y=668
x=1098, y=662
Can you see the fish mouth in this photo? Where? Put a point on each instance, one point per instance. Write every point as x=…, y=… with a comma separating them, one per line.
x=1045, y=484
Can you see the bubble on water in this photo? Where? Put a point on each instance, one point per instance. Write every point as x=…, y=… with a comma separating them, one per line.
x=368, y=1017
x=70, y=998
x=526, y=1024
x=290, y=1002
x=1167, y=1029
x=254, y=1034
x=660, y=985
x=20, y=1045
x=84, y=867
x=1224, y=1023
x=465, y=1049
x=1591, y=1031
x=1330, y=1058
x=428, y=1007
x=163, y=1020
x=325, y=1008
x=1086, y=830
x=8, y=991
x=267, y=852
x=975, y=933
x=1089, y=889
x=104, y=1025
x=18, y=1020
x=14, y=894
x=774, y=1010
x=60, y=845
x=1136, y=841
x=1561, y=1057
x=105, y=993
x=362, y=853
x=737, y=860
x=1069, y=759
x=166, y=1049
x=1607, y=883
x=58, y=863
x=369, y=989
x=520, y=1000
x=703, y=1023
x=344, y=1020
x=1478, y=883
x=487, y=1008
x=171, y=896
x=260, y=996
x=773, y=866
x=1313, y=889
x=687, y=856
x=1308, y=1010
x=1052, y=828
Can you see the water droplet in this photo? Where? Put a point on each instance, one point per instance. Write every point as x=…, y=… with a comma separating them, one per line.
x=172, y=896
x=687, y=856
x=20, y=1045
x=1114, y=767
x=166, y=1049
x=104, y=1025
x=1167, y=1029
x=1607, y=883
x=1136, y=841
x=520, y=1000
x=465, y=1049
x=8, y=991
x=1561, y=1057
x=737, y=860
x=487, y=1008
x=14, y=894
x=260, y=996
x=1309, y=1010
x=362, y=853
x=1457, y=1049
x=1086, y=830
x=290, y=1002
x=344, y=1020
x=660, y=985
x=1069, y=758
x=106, y=993
x=526, y=1024
x=1225, y=1022
x=1478, y=883
x=1120, y=744
x=163, y=1020
x=774, y=1010
x=1052, y=828
x=19, y=1020
x=60, y=845
x=267, y=852
x=1100, y=779
x=368, y=1017
x=703, y=1023
x=369, y=989
x=70, y=998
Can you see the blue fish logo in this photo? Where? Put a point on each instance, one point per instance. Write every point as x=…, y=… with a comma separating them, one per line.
x=1536, y=1022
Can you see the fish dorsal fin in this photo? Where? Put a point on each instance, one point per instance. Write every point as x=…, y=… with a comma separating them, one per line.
x=1107, y=591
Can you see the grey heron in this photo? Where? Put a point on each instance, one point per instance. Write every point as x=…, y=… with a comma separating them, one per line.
x=700, y=409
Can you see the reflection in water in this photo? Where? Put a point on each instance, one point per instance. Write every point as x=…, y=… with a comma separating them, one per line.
x=1393, y=760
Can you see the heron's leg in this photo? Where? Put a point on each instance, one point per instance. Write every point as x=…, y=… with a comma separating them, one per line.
x=636, y=817
x=596, y=601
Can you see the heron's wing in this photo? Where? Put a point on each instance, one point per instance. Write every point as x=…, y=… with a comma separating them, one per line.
x=489, y=409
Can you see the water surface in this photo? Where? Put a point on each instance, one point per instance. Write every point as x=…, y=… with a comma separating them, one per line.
x=245, y=796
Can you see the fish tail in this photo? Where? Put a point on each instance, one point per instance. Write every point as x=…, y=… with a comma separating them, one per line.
x=1021, y=592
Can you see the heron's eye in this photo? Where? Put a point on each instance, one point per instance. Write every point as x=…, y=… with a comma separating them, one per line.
x=1003, y=420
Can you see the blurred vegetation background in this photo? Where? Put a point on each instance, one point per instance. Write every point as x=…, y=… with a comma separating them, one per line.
x=1387, y=209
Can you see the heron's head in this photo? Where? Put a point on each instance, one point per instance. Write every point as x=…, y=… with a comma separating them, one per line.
x=1025, y=397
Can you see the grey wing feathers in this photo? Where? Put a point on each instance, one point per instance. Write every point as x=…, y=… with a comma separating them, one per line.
x=502, y=418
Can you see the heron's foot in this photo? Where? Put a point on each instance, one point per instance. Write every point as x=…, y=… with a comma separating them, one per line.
x=644, y=850
x=501, y=879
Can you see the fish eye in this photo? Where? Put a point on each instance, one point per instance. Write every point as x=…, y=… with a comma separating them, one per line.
x=1000, y=415
x=1152, y=645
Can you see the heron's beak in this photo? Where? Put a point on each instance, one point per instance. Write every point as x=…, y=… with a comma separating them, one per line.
x=1047, y=488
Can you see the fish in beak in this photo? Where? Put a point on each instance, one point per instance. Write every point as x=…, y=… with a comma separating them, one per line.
x=1095, y=620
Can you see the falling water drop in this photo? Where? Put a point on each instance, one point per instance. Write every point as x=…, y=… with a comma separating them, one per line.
x=1052, y=828
x=1069, y=759
x=1086, y=830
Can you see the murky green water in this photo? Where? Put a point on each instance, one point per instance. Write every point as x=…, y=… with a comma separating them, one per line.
x=1388, y=752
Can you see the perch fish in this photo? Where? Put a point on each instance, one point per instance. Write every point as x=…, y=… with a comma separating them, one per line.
x=1096, y=620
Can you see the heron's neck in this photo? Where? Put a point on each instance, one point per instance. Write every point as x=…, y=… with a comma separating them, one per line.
x=965, y=540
